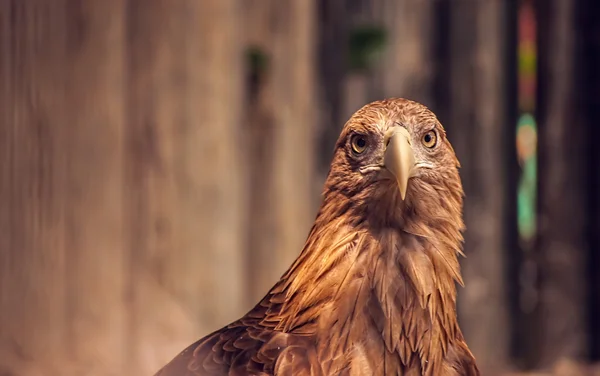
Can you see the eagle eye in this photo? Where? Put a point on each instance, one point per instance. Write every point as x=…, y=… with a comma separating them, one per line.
x=429, y=139
x=358, y=143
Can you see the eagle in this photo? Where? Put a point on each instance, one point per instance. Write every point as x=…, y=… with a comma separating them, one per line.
x=373, y=291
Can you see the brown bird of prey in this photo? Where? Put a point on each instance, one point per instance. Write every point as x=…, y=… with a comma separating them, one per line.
x=373, y=291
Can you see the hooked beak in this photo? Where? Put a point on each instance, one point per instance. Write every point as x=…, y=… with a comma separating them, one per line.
x=399, y=158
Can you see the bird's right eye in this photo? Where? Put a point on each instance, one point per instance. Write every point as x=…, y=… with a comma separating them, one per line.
x=359, y=143
x=429, y=139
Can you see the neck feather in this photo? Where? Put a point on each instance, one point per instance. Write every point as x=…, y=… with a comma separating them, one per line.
x=354, y=278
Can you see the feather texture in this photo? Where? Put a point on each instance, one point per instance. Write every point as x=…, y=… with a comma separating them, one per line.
x=373, y=292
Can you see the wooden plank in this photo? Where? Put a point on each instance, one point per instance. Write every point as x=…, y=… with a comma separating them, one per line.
x=184, y=180
x=563, y=174
x=281, y=132
x=332, y=56
x=478, y=128
x=407, y=68
x=589, y=76
x=32, y=185
x=94, y=99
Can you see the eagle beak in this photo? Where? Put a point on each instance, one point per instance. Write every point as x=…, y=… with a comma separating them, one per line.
x=399, y=158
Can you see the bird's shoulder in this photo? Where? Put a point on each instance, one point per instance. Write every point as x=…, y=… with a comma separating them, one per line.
x=246, y=347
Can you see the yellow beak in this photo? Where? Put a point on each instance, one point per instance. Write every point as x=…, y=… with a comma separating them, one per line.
x=399, y=158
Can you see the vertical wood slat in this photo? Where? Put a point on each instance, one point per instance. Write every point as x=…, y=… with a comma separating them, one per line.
x=94, y=235
x=589, y=32
x=32, y=182
x=213, y=169
x=62, y=180
x=406, y=66
x=154, y=104
x=332, y=43
x=280, y=128
x=63, y=287
x=184, y=179
x=407, y=69
x=294, y=76
x=477, y=117
x=356, y=82
x=563, y=169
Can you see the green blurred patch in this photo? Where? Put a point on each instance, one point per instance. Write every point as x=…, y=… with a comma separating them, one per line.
x=366, y=45
x=257, y=61
x=527, y=189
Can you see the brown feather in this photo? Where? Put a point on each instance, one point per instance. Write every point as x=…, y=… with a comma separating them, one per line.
x=374, y=289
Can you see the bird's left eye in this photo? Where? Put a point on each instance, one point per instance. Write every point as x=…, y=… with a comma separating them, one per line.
x=359, y=144
x=429, y=139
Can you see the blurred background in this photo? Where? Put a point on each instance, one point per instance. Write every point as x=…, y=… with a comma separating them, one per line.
x=161, y=163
